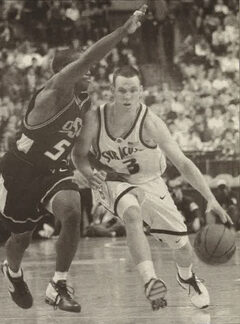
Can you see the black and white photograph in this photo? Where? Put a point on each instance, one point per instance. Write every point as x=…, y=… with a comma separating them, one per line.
x=119, y=162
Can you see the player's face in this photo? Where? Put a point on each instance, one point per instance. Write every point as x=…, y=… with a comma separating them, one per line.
x=127, y=92
x=83, y=83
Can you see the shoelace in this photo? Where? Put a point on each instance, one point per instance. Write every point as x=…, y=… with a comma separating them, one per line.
x=194, y=283
x=63, y=291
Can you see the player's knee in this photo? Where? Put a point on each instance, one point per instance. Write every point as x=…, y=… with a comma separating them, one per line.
x=67, y=208
x=22, y=240
x=71, y=215
x=132, y=216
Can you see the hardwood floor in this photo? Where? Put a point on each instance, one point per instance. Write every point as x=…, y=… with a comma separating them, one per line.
x=110, y=291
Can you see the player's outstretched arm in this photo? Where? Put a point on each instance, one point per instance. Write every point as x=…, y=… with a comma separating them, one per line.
x=156, y=129
x=70, y=74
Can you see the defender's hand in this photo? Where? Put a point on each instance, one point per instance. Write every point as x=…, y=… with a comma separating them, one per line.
x=135, y=21
x=214, y=206
x=97, y=179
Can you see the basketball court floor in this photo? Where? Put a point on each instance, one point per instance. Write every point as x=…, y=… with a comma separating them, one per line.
x=110, y=291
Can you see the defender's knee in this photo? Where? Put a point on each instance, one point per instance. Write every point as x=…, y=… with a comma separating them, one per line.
x=67, y=208
x=71, y=215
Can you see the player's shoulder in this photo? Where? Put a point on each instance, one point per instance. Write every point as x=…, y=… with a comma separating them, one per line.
x=152, y=120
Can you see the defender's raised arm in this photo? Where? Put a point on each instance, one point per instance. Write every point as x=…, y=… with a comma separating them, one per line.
x=72, y=72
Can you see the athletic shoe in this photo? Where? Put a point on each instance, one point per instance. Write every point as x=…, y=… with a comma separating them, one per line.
x=155, y=291
x=197, y=292
x=17, y=288
x=60, y=296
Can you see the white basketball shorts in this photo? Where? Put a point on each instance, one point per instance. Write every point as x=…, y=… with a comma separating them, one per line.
x=158, y=210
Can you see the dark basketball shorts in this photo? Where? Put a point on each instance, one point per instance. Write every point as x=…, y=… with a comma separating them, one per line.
x=26, y=191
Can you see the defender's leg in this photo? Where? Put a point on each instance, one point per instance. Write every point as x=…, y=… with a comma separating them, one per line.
x=66, y=207
x=11, y=268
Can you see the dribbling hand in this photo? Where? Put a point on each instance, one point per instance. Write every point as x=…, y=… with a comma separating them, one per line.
x=214, y=206
x=135, y=21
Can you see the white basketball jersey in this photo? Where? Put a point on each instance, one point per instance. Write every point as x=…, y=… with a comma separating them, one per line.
x=136, y=161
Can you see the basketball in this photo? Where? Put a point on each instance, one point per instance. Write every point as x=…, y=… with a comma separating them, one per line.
x=215, y=244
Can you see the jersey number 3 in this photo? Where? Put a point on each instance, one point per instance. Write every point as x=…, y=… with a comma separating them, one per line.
x=59, y=149
x=132, y=166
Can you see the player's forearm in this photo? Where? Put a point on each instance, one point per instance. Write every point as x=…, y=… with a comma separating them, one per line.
x=196, y=179
x=98, y=50
x=94, y=54
x=82, y=164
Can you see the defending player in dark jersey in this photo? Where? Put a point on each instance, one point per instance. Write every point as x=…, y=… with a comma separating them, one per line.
x=35, y=176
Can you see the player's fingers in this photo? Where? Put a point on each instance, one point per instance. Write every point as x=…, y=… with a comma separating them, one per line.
x=143, y=9
x=229, y=219
x=99, y=177
x=103, y=174
x=225, y=218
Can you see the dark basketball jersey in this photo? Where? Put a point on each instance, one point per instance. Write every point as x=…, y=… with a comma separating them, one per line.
x=47, y=144
x=36, y=169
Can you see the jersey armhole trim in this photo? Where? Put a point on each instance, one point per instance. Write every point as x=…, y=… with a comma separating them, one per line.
x=141, y=131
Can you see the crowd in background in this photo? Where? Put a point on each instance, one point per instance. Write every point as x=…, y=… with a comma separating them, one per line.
x=202, y=112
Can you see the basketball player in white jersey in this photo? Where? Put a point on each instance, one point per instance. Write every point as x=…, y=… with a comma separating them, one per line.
x=129, y=143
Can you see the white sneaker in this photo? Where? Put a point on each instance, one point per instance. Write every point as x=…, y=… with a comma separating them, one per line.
x=59, y=295
x=197, y=292
x=155, y=291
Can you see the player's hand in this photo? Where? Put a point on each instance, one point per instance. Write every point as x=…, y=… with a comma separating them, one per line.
x=96, y=179
x=214, y=206
x=135, y=21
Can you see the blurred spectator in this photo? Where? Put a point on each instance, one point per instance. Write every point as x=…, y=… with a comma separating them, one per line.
x=183, y=123
x=105, y=224
x=216, y=124
x=227, y=199
x=186, y=205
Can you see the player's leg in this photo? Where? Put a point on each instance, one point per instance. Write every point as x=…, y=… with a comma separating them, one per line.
x=16, y=245
x=129, y=209
x=187, y=279
x=168, y=225
x=67, y=208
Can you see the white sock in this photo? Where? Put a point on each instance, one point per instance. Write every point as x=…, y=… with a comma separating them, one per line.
x=185, y=272
x=60, y=276
x=146, y=270
x=15, y=274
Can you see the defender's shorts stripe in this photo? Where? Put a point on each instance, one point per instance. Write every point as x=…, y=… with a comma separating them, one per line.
x=53, y=187
x=22, y=221
x=120, y=196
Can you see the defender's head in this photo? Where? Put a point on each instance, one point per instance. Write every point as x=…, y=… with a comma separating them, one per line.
x=127, y=87
x=64, y=57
